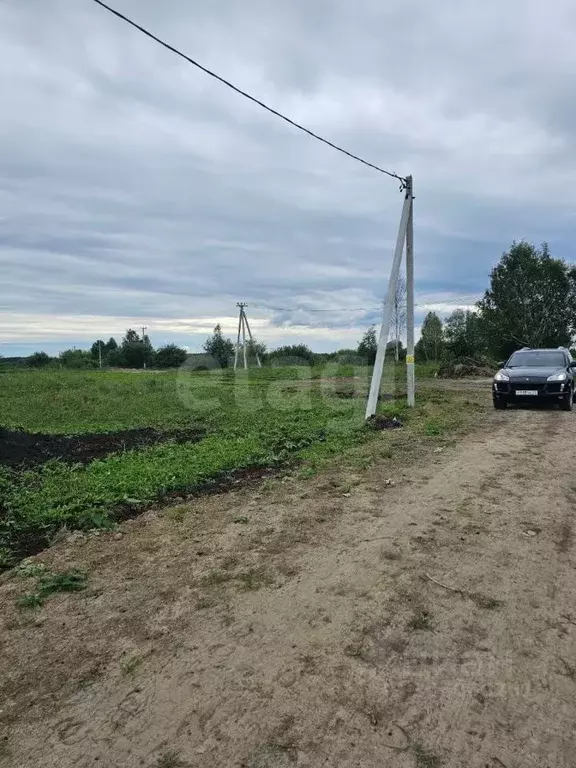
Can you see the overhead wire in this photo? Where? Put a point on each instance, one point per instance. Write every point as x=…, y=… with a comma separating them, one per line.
x=238, y=90
x=293, y=123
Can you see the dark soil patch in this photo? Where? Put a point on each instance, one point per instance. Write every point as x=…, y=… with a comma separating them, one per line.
x=383, y=422
x=247, y=477
x=23, y=449
x=36, y=541
x=345, y=394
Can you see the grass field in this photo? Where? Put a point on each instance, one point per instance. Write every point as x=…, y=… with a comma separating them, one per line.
x=258, y=419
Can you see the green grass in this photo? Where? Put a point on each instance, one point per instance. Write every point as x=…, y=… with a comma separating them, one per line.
x=421, y=620
x=48, y=583
x=30, y=600
x=69, y=402
x=432, y=428
x=170, y=759
x=130, y=665
x=259, y=418
x=76, y=402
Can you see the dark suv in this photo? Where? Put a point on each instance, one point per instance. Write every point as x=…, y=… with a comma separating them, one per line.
x=536, y=375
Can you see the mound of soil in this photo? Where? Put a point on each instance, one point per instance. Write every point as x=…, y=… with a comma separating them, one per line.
x=383, y=422
x=23, y=449
x=467, y=367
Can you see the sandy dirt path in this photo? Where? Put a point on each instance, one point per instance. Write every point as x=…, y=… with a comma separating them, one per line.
x=426, y=624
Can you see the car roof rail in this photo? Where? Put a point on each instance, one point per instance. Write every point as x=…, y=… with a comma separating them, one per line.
x=524, y=348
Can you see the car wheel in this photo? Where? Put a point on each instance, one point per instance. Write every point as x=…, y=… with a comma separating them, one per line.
x=567, y=401
x=500, y=403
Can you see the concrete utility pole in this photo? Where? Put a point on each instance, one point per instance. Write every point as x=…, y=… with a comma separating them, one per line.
x=405, y=221
x=144, y=329
x=240, y=324
x=99, y=353
x=244, y=326
x=258, y=361
x=410, y=300
x=244, y=339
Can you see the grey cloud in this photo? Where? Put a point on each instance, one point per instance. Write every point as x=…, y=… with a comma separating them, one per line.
x=132, y=184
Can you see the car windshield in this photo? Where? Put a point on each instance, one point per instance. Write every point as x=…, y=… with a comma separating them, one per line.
x=536, y=360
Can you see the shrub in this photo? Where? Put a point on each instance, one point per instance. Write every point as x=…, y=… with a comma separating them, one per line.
x=170, y=356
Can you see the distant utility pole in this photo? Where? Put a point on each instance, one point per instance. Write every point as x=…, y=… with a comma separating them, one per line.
x=405, y=235
x=243, y=326
x=100, y=353
x=144, y=329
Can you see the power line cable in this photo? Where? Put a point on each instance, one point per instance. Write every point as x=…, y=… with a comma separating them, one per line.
x=207, y=71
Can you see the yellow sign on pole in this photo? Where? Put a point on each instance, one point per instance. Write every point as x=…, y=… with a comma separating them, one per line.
x=409, y=359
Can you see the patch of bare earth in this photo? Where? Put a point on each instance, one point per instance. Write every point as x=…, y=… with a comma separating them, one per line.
x=341, y=621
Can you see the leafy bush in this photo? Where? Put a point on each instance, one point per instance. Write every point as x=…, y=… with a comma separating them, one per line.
x=295, y=354
x=466, y=367
x=77, y=358
x=170, y=356
x=219, y=348
x=39, y=360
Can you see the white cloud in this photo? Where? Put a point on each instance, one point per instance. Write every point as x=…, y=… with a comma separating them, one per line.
x=133, y=186
x=67, y=330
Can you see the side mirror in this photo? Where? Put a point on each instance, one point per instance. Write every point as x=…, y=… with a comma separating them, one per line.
x=572, y=364
x=502, y=364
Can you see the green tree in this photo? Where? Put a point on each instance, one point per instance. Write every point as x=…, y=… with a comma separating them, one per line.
x=77, y=358
x=530, y=301
x=97, y=349
x=135, y=352
x=112, y=354
x=368, y=346
x=292, y=354
x=463, y=334
x=395, y=347
x=170, y=356
x=219, y=348
x=131, y=337
x=430, y=344
x=39, y=360
x=103, y=346
x=115, y=358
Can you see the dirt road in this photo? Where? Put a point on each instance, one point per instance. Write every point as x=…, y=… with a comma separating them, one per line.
x=430, y=623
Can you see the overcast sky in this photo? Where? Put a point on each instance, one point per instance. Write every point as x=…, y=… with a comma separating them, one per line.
x=136, y=190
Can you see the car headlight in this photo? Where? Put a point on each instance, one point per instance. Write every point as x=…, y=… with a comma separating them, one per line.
x=501, y=377
x=560, y=376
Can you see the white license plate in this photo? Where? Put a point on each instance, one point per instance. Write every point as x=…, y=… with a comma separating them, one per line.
x=526, y=391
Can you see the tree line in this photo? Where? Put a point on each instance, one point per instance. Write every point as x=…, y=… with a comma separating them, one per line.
x=531, y=301
x=134, y=351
